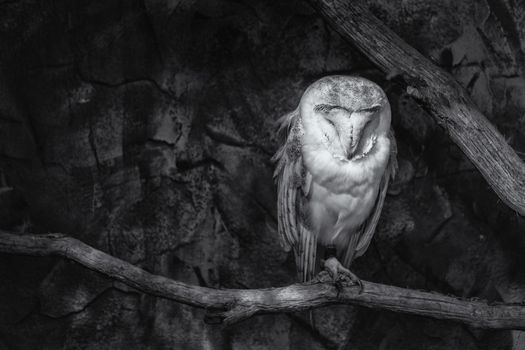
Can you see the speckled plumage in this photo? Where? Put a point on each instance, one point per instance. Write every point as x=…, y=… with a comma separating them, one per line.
x=333, y=169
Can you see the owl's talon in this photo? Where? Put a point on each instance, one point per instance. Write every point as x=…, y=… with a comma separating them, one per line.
x=340, y=274
x=323, y=277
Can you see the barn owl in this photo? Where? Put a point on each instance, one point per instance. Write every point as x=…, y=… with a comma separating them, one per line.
x=332, y=173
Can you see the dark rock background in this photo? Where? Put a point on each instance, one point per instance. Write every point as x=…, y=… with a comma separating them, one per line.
x=145, y=128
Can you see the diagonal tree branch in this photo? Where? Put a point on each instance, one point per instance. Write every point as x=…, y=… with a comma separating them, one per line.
x=233, y=305
x=437, y=91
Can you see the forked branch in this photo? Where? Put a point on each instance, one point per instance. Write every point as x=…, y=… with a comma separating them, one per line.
x=233, y=305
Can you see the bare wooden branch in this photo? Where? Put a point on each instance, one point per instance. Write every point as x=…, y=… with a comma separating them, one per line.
x=437, y=91
x=233, y=305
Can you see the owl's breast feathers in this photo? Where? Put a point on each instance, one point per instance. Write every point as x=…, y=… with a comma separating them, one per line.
x=346, y=176
x=342, y=193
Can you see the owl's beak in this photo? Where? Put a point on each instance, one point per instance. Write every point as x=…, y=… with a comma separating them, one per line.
x=361, y=134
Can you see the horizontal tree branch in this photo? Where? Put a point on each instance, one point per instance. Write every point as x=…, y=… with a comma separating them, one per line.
x=233, y=305
x=437, y=91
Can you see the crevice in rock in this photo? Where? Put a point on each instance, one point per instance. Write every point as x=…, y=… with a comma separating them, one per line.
x=200, y=278
x=143, y=80
x=159, y=142
x=184, y=165
x=230, y=140
x=472, y=82
x=438, y=230
x=92, y=143
x=153, y=33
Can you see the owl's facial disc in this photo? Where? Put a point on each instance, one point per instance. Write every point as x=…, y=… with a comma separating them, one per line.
x=353, y=130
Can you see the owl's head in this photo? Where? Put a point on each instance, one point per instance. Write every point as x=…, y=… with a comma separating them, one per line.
x=346, y=114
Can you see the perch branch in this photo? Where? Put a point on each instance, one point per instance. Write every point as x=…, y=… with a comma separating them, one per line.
x=233, y=305
x=439, y=94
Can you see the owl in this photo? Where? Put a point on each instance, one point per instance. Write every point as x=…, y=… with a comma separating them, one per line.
x=332, y=172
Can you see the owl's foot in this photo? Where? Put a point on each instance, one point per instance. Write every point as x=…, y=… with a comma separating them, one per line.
x=341, y=274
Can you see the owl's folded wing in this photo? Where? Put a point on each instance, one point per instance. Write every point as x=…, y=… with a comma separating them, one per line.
x=293, y=182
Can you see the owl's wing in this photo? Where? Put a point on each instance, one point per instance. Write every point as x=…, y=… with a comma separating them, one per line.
x=363, y=239
x=293, y=182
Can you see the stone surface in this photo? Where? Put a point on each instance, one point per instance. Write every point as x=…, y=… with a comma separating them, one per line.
x=146, y=128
